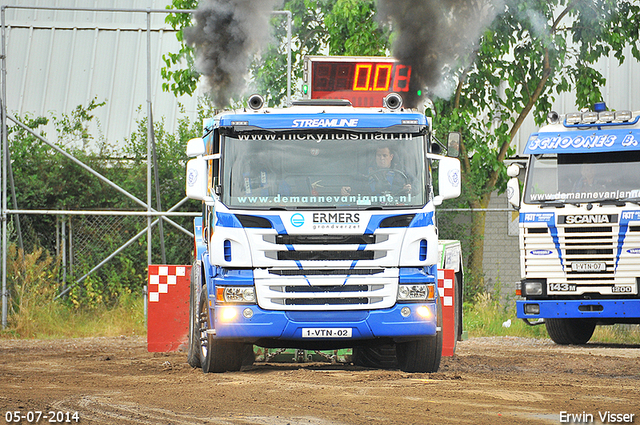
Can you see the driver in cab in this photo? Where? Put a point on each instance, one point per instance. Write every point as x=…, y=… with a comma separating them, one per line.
x=384, y=178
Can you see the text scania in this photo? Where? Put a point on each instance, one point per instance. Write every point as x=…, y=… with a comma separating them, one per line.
x=587, y=219
x=325, y=122
x=336, y=217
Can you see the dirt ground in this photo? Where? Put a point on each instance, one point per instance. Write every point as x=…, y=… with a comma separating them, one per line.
x=499, y=380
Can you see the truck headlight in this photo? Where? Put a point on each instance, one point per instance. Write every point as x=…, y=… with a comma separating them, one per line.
x=235, y=294
x=532, y=288
x=416, y=292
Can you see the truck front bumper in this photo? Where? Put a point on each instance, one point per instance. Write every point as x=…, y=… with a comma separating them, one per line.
x=578, y=309
x=251, y=322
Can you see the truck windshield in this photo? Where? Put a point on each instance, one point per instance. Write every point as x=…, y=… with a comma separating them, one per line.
x=583, y=177
x=328, y=170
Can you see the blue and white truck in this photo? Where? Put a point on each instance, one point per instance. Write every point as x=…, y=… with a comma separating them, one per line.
x=579, y=223
x=318, y=232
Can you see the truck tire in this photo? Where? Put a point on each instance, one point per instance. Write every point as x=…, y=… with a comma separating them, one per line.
x=381, y=356
x=216, y=355
x=248, y=356
x=193, y=354
x=570, y=331
x=457, y=321
x=424, y=354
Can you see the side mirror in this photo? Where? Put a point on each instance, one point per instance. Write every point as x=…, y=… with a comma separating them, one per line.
x=513, y=192
x=197, y=179
x=513, y=170
x=195, y=147
x=449, y=180
x=453, y=144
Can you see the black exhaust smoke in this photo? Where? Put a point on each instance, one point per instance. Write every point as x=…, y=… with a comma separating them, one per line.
x=433, y=36
x=226, y=36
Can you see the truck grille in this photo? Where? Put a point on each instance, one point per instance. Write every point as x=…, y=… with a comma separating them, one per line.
x=325, y=255
x=593, y=257
x=325, y=272
x=325, y=247
x=589, y=245
x=304, y=289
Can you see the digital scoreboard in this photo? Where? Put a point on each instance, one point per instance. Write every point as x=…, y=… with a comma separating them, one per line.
x=365, y=81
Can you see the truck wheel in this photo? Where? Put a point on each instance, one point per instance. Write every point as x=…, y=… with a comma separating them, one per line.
x=458, y=309
x=193, y=355
x=570, y=331
x=422, y=355
x=248, y=356
x=215, y=355
x=381, y=356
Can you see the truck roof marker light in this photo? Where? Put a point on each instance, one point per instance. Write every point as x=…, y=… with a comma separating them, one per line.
x=553, y=117
x=255, y=101
x=600, y=107
x=623, y=116
x=393, y=101
x=607, y=116
x=573, y=118
x=589, y=117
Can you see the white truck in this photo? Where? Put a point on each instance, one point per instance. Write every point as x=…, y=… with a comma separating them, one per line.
x=579, y=224
x=318, y=231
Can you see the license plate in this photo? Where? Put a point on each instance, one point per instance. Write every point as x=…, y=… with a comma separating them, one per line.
x=326, y=332
x=589, y=267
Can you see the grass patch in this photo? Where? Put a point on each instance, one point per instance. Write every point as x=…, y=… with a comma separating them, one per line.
x=58, y=320
x=34, y=312
x=490, y=317
x=617, y=334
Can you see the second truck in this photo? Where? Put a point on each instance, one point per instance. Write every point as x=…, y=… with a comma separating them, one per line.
x=580, y=223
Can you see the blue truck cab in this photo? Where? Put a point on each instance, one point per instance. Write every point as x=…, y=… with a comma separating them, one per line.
x=318, y=231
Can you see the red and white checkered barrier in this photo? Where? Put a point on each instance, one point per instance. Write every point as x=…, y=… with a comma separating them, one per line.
x=168, y=307
x=446, y=280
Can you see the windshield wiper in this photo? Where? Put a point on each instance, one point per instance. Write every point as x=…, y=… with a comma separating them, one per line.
x=609, y=201
x=558, y=203
x=632, y=199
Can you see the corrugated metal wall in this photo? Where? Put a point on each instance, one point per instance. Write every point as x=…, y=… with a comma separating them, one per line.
x=59, y=59
x=620, y=92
